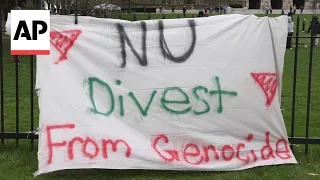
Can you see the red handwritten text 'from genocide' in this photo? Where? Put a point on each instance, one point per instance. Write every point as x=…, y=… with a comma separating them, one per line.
x=191, y=153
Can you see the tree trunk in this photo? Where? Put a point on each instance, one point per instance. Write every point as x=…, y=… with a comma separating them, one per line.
x=68, y=9
x=63, y=8
x=49, y=2
x=53, y=3
x=129, y=6
x=38, y=4
x=58, y=2
x=21, y=4
x=3, y=15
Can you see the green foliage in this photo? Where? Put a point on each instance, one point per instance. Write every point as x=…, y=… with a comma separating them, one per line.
x=236, y=5
x=30, y=5
x=7, y=5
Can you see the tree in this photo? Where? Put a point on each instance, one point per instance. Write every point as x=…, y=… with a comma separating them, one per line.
x=85, y=7
x=36, y=3
x=2, y=9
x=68, y=8
x=5, y=7
x=63, y=7
x=129, y=2
x=191, y=2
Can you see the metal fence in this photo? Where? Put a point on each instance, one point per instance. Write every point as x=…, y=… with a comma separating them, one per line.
x=17, y=135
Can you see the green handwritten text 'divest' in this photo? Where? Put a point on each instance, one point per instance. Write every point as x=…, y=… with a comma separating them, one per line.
x=199, y=93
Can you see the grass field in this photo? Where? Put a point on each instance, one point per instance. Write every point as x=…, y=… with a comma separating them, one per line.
x=20, y=163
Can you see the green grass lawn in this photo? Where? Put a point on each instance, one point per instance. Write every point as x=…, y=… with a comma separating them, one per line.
x=20, y=163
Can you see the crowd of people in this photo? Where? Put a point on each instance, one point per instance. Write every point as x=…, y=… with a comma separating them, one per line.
x=218, y=10
x=221, y=9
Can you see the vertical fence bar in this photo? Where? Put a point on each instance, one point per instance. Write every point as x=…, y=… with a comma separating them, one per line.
x=149, y=16
x=163, y=16
x=295, y=81
x=31, y=102
x=17, y=101
x=309, y=87
x=1, y=81
x=76, y=13
x=134, y=17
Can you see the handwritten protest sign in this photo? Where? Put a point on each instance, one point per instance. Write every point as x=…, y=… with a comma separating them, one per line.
x=183, y=94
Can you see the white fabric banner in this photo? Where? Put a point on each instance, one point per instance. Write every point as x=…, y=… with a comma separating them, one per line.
x=180, y=94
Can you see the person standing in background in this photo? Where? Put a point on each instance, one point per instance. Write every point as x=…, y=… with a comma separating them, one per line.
x=184, y=11
x=267, y=10
x=315, y=30
x=290, y=32
x=205, y=11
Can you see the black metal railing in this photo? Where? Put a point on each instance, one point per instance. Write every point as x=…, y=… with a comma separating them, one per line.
x=2, y=84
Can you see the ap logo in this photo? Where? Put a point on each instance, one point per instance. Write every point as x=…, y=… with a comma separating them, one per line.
x=30, y=32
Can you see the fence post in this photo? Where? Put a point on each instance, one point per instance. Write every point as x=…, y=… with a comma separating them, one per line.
x=31, y=102
x=149, y=16
x=17, y=101
x=134, y=17
x=120, y=15
x=1, y=81
x=309, y=87
x=295, y=80
x=163, y=16
x=76, y=13
x=178, y=16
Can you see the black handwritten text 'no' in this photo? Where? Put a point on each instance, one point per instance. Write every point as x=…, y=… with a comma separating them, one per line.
x=163, y=44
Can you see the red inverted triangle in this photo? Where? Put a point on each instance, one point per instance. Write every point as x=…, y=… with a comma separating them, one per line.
x=63, y=42
x=268, y=83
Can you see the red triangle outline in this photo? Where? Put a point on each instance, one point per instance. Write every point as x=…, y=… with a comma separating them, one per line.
x=65, y=38
x=270, y=85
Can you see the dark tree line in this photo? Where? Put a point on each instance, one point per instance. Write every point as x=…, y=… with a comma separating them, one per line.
x=7, y=5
